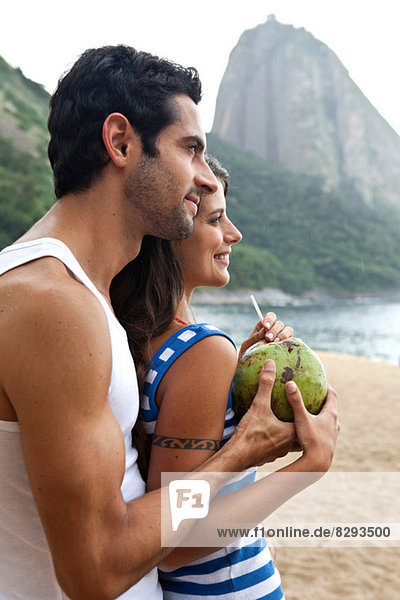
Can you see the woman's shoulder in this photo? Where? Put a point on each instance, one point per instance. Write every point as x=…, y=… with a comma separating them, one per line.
x=201, y=368
x=190, y=334
x=179, y=339
x=199, y=348
x=192, y=355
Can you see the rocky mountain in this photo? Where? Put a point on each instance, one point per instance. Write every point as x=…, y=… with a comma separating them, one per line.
x=287, y=97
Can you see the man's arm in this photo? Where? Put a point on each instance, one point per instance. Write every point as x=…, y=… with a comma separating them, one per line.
x=245, y=508
x=56, y=364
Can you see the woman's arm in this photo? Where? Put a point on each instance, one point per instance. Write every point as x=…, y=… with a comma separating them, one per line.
x=192, y=397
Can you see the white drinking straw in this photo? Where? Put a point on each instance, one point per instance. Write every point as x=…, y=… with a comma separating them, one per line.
x=257, y=308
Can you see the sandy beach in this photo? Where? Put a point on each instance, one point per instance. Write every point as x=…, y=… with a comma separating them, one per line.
x=368, y=397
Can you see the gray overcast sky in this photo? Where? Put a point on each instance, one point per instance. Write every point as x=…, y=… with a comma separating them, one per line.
x=45, y=37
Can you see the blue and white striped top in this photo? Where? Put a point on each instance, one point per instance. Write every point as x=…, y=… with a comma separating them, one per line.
x=243, y=571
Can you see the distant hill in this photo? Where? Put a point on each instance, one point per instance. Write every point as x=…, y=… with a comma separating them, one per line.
x=287, y=97
x=298, y=236
x=24, y=107
x=26, y=189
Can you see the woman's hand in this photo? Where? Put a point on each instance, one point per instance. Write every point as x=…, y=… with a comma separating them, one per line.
x=268, y=330
x=272, y=549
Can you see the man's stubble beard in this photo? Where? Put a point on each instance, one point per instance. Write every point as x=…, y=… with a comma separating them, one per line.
x=150, y=189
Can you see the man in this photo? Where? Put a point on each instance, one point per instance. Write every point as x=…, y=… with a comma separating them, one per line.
x=127, y=152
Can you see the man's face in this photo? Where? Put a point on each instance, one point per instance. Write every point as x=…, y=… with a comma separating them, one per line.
x=167, y=188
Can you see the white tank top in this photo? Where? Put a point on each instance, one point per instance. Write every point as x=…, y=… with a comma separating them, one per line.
x=26, y=569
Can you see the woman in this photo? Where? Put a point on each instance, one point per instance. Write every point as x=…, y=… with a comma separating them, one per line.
x=186, y=394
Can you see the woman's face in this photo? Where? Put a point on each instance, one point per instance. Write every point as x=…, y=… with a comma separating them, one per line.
x=204, y=256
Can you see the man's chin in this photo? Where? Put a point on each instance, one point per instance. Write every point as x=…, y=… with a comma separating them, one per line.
x=180, y=227
x=186, y=231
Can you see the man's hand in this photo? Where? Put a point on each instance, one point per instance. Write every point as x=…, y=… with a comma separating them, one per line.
x=316, y=434
x=263, y=436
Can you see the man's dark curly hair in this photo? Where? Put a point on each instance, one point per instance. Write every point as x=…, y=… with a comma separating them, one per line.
x=102, y=81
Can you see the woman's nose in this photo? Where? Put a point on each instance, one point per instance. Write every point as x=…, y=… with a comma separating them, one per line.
x=234, y=234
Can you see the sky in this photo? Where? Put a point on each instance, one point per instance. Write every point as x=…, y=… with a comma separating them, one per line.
x=45, y=37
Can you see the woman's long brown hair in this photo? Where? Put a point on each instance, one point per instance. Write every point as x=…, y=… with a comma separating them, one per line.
x=145, y=296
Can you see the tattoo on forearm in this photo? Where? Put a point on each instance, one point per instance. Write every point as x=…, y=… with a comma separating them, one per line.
x=166, y=441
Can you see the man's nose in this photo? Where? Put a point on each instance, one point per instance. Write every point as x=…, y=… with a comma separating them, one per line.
x=206, y=180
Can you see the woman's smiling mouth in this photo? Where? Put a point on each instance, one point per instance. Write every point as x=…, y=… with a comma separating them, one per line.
x=223, y=258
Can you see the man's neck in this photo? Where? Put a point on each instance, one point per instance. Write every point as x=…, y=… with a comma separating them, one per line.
x=98, y=232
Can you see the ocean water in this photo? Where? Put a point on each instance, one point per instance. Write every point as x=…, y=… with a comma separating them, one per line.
x=366, y=327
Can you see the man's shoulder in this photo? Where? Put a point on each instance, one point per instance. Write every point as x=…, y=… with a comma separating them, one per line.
x=40, y=291
x=46, y=314
x=41, y=281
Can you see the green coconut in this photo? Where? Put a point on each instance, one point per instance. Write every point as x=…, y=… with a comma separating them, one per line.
x=295, y=361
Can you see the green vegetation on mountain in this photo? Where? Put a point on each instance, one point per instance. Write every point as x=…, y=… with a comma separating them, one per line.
x=26, y=189
x=298, y=237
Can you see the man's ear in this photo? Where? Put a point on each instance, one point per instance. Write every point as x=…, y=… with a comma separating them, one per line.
x=120, y=139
